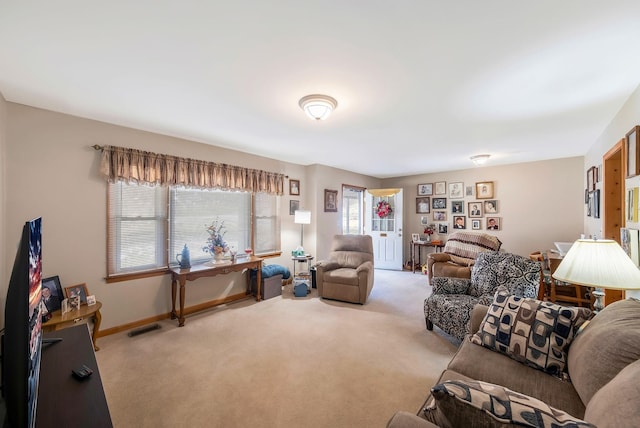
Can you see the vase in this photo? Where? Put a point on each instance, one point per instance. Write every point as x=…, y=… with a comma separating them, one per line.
x=428, y=238
x=217, y=257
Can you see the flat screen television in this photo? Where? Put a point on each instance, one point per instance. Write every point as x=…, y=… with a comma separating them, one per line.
x=22, y=340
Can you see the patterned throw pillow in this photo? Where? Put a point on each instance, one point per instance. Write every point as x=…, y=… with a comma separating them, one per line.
x=480, y=404
x=530, y=331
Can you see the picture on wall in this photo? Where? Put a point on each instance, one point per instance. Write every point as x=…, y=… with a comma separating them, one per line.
x=456, y=190
x=439, y=216
x=438, y=203
x=632, y=145
x=459, y=222
x=422, y=205
x=330, y=200
x=441, y=188
x=443, y=229
x=293, y=206
x=476, y=224
x=457, y=207
x=475, y=209
x=484, y=190
x=491, y=207
x=468, y=191
x=294, y=187
x=425, y=189
x=493, y=223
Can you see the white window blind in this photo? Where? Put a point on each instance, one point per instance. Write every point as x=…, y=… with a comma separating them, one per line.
x=137, y=227
x=193, y=210
x=267, y=227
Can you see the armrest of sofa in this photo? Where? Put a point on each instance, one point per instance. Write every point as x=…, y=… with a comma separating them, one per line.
x=477, y=316
x=408, y=420
x=448, y=285
x=327, y=265
x=365, y=267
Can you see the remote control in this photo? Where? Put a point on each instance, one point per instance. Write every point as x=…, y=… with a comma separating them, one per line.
x=82, y=372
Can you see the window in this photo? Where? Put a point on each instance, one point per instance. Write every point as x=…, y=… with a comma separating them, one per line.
x=149, y=226
x=352, y=200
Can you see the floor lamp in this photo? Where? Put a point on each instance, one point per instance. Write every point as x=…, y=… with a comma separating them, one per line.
x=598, y=263
x=302, y=217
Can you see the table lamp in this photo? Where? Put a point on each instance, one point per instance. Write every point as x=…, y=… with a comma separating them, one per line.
x=302, y=217
x=598, y=263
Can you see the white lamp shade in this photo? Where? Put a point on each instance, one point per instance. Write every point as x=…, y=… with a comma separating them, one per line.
x=318, y=107
x=302, y=217
x=598, y=263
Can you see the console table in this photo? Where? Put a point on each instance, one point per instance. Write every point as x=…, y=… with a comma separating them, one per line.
x=64, y=401
x=419, y=245
x=181, y=276
x=59, y=320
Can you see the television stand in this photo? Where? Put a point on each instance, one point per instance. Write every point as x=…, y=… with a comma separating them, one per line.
x=64, y=401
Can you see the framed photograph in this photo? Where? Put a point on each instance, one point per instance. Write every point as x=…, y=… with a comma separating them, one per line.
x=475, y=209
x=595, y=201
x=79, y=290
x=493, y=223
x=491, y=207
x=415, y=237
x=425, y=189
x=330, y=201
x=293, y=206
x=468, y=191
x=422, y=205
x=424, y=220
x=484, y=190
x=52, y=294
x=294, y=187
x=441, y=188
x=476, y=224
x=438, y=203
x=443, y=228
x=586, y=196
x=439, y=216
x=591, y=179
x=457, y=207
x=74, y=303
x=632, y=147
x=91, y=300
x=459, y=222
x=456, y=190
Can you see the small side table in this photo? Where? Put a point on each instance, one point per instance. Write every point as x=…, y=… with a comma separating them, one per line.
x=414, y=244
x=301, y=259
x=59, y=321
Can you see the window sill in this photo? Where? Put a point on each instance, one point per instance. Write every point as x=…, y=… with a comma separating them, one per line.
x=136, y=275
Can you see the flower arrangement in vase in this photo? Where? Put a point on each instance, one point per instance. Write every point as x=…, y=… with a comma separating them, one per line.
x=216, y=245
x=429, y=230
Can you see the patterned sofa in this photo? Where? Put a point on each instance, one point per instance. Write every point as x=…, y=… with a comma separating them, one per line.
x=460, y=253
x=491, y=387
x=449, y=306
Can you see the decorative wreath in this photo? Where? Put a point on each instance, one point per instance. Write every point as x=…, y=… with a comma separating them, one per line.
x=384, y=209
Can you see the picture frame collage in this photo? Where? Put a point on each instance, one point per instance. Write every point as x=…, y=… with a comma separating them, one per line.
x=434, y=199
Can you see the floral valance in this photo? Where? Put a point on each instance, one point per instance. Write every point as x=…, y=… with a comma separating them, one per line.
x=123, y=164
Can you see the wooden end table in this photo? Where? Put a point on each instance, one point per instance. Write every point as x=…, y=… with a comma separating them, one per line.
x=59, y=320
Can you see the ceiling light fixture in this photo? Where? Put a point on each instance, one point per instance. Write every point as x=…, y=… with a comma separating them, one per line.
x=480, y=159
x=318, y=107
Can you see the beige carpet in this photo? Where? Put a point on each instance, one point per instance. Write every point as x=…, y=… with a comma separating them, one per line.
x=283, y=362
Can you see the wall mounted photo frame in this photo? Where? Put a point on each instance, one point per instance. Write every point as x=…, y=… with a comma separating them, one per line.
x=425, y=189
x=294, y=205
x=484, y=190
x=294, y=187
x=595, y=201
x=79, y=290
x=330, y=201
x=443, y=229
x=422, y=205
x=456, y=190
x=632, y=150
x=459, y=222
x=490, y=207
x=493, y=223
x=591, y=178
x=476, y=224
x=441, y=188
x=52, y=294
x=457, y=207
x=440, y=215
x=475, y=209
x=468, y=191
x=438, y=203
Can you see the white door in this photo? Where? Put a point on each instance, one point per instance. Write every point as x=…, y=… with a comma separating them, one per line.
x=383, y=221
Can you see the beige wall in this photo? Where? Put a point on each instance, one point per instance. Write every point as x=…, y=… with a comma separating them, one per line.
x=539, y=202
x=53, y=173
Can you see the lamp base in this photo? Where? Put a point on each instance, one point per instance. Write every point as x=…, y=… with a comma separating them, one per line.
x=598, y=304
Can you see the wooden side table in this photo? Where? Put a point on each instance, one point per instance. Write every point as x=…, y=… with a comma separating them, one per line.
x=59, y=321
x=438, y=249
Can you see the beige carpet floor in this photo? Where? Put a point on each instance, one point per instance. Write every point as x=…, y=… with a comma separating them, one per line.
x=282, y=362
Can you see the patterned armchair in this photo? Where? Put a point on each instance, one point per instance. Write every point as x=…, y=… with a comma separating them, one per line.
x=449, y=306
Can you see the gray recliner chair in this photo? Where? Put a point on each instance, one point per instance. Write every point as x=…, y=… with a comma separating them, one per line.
x=347, y=274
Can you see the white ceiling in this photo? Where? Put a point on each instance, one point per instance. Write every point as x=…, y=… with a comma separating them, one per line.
x=421, y=85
